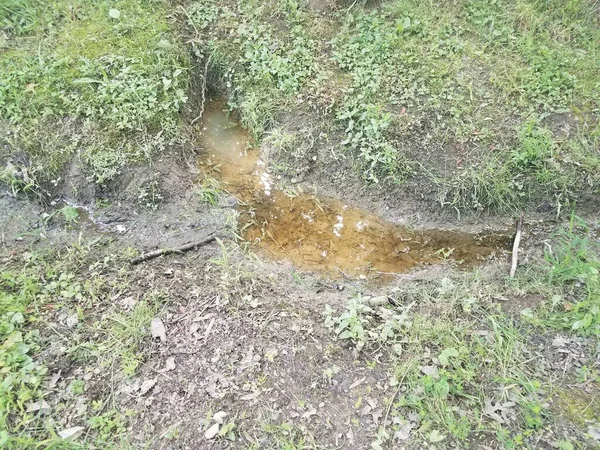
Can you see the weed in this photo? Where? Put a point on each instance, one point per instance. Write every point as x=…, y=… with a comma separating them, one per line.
x=17, y=179
x=209, y=192
x=77, y=387
x=574, y=264
x=150, y=195
x=128, y=78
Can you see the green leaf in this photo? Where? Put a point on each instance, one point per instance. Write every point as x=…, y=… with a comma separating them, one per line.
x=442, y=388
x=447, y=353
x=344, y=335
x=114, y=13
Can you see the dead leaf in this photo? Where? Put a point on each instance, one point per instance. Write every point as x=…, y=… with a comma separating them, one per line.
x=377, y=415
x=432, y=371
x=219, y=417
x=170, y=364
x=403, y=433
x=594, y=432
x=559, y=341
x=38, y=406
x=72, y=320
x=212, y=431
x=127, y=303
x=357, y=382
x=147, y=385
x=310, y=412
x=54, y=379
x=491, y=409
x=158, y=329
x=72, y=433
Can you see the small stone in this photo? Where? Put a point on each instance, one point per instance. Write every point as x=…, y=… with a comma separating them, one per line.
x=219, y=417
x=72, y=320
x=212, y=431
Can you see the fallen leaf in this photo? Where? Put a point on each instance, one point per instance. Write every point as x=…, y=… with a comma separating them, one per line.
x=127, y=303
x=357, y=382
x=147, y=385
x=310, y=412
x=436, y=436
x=54, y=379
x=219, y=417
x=559, y=341
x=594, y=432
x=491, y=409
x=158, y=329
x=403, y=433
x=72, y=320
x=212, y=431
x=377, y=415
x=432, y=371
x=170, y=364
x=72, y=433
x=38, y=406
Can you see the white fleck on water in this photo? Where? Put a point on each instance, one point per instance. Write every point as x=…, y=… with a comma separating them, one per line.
x=337, y=228
x=265, y=180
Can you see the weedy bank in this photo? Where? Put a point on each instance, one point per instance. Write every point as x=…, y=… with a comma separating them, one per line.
x=471, y=106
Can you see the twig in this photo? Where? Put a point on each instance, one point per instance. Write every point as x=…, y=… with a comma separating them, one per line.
x=199, y=116
x=515, y=250
x=168, y=251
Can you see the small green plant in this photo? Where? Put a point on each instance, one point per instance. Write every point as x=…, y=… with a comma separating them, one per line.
x=70, y=214
x=350, y=324
x=77, y=387
x=209, y=192
x=150, y=195
x=574, y=259
x=17, y=179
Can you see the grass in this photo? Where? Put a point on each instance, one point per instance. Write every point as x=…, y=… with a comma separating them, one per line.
x=492, y=105
x=75, y=76
x=50, y=282
x=461, y=369
x=491, y=85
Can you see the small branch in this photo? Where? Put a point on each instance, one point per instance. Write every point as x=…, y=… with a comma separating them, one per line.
x=515, y=250
x=167, y=251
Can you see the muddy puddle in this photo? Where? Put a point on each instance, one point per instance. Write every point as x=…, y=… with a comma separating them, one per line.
x=322, y=234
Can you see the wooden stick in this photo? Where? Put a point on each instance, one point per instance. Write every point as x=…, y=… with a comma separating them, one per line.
x=515, y=250
x=168, y=251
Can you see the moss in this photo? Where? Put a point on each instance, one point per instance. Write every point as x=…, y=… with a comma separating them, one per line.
x=577, y=406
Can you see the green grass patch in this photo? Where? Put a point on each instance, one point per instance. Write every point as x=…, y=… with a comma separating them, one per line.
x=110, y=69
x=504, y=91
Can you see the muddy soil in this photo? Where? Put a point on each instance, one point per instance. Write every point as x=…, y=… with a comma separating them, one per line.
x=248, y=342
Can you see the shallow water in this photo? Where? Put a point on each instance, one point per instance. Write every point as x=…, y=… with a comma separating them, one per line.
x=323, y=234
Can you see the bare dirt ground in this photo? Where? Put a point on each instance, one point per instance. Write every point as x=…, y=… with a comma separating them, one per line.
x=241, y=357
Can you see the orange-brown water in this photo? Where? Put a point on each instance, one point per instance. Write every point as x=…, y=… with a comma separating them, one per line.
x=323, y=234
